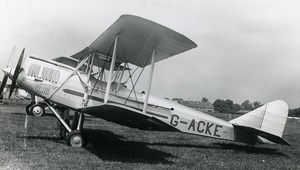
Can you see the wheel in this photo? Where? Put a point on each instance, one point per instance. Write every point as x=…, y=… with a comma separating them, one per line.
x=75, y=139
x=37, y=110
x=75, y=121
x=28, y=109
x=82, y=121
x=63, y=131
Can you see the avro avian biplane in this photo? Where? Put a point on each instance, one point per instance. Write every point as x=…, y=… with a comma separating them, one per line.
x=72, y=83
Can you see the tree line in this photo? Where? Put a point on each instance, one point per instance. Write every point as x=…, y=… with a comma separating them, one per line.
x=294, y=112
x=228, y=106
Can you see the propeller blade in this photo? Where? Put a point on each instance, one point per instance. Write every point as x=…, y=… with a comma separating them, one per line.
x=17, y=70
x=13, y=84
x=3, y=83
x=16, y=73
x=11, y=57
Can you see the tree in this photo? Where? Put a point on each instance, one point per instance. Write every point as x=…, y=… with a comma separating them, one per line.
x=247, y=105
x=204, y=99
x=256, y=104
x=294, y=112
x=218, y=105
x=235, y=108
x=226, y=106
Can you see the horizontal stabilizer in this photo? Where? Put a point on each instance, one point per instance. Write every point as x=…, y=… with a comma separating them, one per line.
x=266, y=135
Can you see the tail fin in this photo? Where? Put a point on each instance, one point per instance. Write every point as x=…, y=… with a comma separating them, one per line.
x=267, y=121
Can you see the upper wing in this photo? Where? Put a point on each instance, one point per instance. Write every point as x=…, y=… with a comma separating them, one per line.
x=138, y=37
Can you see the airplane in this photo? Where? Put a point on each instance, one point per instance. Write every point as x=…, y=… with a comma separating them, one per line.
x=72, y=83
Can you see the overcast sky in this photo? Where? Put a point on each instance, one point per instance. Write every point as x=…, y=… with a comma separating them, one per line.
x=246, y=49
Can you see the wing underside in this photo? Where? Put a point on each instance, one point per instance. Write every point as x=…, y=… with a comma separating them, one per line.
x=127, y=117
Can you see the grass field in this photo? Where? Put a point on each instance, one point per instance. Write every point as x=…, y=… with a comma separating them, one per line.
x=36, y=145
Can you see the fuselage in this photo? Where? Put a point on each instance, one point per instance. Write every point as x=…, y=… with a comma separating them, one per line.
x=63, y=85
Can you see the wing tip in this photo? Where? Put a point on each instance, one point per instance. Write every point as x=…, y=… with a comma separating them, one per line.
x=192, y=43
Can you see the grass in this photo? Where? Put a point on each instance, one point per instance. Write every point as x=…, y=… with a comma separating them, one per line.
x=116, y=147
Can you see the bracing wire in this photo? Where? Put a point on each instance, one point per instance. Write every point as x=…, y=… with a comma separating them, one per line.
x=133, y=88
x=102, y=69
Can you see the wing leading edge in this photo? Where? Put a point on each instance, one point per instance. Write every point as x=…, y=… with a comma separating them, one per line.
x=138, y=37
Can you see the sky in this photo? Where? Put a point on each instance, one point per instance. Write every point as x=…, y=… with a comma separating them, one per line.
x=247, y=50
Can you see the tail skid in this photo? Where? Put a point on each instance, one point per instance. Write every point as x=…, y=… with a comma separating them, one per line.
x=264, y=125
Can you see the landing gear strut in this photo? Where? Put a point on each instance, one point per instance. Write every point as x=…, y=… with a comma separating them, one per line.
x=63, y=131
x=74, y=136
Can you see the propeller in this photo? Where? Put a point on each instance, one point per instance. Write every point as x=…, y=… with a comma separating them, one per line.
x=16, y=73
x=6, y=75
x=3, y=83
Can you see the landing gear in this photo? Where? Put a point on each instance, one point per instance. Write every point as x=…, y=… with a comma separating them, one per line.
x=63, y=131
x=73, y=135
x=37, y=110
x=28, y=108
x=75, y=139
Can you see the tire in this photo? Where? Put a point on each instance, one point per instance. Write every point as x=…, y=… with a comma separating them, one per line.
x=63, y=131
x=37, y=110
x=83, y=117
x=75, y=139
x=75, y=121
x=27, y=109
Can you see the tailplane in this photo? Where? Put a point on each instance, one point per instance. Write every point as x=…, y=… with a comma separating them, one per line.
x=263, y=125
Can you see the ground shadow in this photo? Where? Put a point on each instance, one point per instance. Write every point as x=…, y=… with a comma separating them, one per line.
x=109, y=146
x=250, y=149
x=224, y=146
x=18, y=113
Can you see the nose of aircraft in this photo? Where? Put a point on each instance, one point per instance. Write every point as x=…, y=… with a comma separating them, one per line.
x=16, y=73
x=8, y=73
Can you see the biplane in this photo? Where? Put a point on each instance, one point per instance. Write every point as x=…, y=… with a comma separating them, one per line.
x=92, y=82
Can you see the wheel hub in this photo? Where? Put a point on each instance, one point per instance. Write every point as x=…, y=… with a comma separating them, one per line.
x=37, y=110
x=76, y=140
